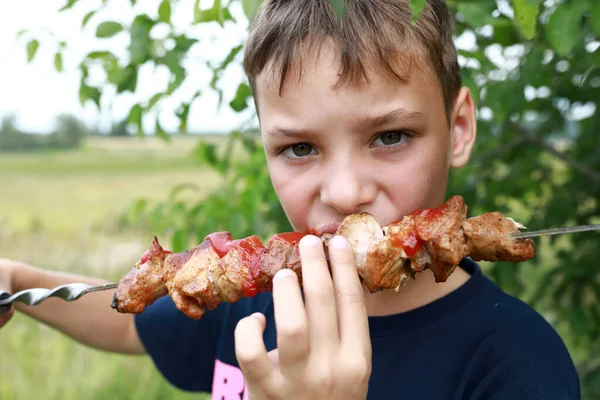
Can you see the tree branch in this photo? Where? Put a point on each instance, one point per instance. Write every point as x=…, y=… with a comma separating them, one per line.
x=589, y=369
x=576, y=165
x=488, y=155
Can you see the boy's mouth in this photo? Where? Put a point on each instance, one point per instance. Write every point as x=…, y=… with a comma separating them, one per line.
x=328, y=227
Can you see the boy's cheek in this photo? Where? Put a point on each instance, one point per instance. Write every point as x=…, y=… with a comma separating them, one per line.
x=295, y=203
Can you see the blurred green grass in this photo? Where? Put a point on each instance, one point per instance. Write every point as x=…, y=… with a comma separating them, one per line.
x=59, y=211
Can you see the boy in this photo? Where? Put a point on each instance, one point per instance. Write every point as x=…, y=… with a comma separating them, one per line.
x=363, y=114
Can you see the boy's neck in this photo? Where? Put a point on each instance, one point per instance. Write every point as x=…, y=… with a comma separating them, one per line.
x=416, y=293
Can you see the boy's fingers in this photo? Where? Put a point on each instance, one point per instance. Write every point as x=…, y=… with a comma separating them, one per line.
x=290, y=320
x=250, y=350
x=319, y=296
x=352, y=314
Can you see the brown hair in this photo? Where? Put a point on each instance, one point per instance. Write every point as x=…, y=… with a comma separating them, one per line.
x=374, y=33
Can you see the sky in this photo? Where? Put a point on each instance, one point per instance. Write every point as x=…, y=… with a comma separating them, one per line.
x=35, y=93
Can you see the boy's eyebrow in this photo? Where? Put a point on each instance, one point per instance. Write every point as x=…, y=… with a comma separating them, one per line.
x=397, y=114
x=401, y=114
x=278, y=131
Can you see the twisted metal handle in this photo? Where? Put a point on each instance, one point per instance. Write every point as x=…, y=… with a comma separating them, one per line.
x=32, y=297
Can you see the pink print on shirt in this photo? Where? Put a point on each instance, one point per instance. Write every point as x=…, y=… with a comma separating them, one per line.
x=228, y=383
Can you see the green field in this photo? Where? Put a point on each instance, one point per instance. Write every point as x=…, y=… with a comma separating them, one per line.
x=59, y=211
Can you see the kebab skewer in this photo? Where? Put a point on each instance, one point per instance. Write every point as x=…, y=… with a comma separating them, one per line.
x=222, y=269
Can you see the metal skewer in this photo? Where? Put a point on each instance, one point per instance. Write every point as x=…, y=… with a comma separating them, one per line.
x=74, y=291
x=556, y=231
x=32, y=297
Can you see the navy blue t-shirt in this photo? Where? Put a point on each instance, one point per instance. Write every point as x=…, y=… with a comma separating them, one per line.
x=474, y=343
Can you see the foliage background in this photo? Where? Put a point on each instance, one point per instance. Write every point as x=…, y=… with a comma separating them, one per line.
x=534, y=68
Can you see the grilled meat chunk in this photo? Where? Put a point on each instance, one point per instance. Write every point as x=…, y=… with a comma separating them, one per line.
x=221, y=269
x=489, y=238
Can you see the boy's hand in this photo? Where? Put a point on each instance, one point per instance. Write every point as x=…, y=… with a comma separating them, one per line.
x=6, y=271
x=324, y=349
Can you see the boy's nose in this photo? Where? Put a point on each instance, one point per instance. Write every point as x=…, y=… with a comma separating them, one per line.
x=347, y=189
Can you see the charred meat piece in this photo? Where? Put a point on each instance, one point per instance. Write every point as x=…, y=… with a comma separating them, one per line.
x=380, y=265
x=143, y=284
x=225, y=270
x=489, y=238
x=271, y=262
x=192, y=280
x=386, y=267
x=440, y=230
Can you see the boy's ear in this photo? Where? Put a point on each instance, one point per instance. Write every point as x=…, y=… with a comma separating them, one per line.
x=463, y=128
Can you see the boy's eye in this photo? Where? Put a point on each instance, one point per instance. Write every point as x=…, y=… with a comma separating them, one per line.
x=391, y=138
x=298, y=150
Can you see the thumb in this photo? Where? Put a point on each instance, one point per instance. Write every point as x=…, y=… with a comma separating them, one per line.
x=274, y=357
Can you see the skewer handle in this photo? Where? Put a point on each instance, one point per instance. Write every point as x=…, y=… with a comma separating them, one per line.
x=32, y=297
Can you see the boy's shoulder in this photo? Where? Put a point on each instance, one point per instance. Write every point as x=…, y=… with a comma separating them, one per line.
x=477, y=342
x=516, y=352
x=500, y=321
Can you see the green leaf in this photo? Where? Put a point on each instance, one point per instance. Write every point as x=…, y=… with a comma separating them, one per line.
x=505, y=32
x=477, y=15
x=32, y=48
x=100, y=54
x=595, y=17
x=507, y=277
x=58, y=62
x=89, y=93
x=108, y=29
x=496, y=95
x=251, y=8
x=161, y=133
x=70, y=3
x=177, y=78
x=124, y=78
x=197, y=11
x=230, y=57
x=87, y=18
x=177, y=190
x=563, y=29
x=206, y=153
x=219, y=11
x=417, y=7
x=183, y=113
x=239, y=103
x=135, y=117
x=526, y=14
x=214, y=14
x=154, y=99
x=184, y=43
x=164, y=11
x=21, y=33
x=469, y=81
x=339, y=6
x=180, y=240
x=140, y=44
x=594, y=69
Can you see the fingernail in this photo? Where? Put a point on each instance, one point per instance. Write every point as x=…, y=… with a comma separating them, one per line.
x=284, y=273
x=339, y=242
x=257, y=315
x=309, y=241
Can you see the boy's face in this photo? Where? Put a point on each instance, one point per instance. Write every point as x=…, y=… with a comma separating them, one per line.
x=384, y=148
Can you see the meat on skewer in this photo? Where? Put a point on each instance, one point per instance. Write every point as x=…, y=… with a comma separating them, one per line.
x=221, y=269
